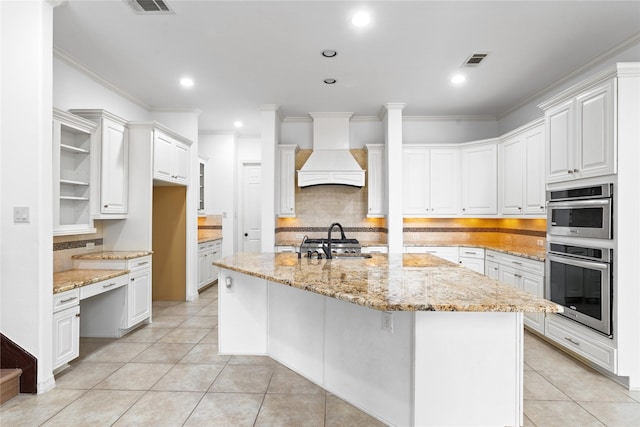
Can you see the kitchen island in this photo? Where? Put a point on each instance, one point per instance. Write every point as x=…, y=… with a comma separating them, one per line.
x=411, y=339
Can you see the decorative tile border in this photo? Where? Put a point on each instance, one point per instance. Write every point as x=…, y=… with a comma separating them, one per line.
x=325, y=229
x=209, y=227
x=473, y=230
x=60, y=246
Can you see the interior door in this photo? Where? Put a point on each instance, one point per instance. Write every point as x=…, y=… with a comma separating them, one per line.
x=250, y=226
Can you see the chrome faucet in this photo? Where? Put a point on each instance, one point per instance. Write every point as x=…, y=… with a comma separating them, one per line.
x=327, y=248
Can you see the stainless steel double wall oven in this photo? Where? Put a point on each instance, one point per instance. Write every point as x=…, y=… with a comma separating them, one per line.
x=579, y=264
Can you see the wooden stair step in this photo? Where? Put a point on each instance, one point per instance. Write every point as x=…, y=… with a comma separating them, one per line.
x=9, y=384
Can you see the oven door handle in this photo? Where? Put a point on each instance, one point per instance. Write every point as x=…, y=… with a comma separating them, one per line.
x=580, y=203
x=578, y=263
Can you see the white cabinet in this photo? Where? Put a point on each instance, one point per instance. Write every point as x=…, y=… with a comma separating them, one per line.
x=72, y=187
x=66, y=327
x=580, y=132
x=479, y=179
x=472, y=258
x=450, y=253
x=522, y=273
x=208, y=252
x=284, y=248
x=111, y=164
x=431, y=181
x=521, y=172
x=376, y=191
x=135, y=306
x=202, y=169
x=286, y=188
x=170, y=159
x=375, y=249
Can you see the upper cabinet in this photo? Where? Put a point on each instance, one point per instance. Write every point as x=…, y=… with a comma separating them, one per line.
x=375, y=181
x=170, y=159
x=431, y=181
x=111, y=167
x=73, y=142
x=580, y=132
x=286, y=185
x=521, y=171
x=479, y=179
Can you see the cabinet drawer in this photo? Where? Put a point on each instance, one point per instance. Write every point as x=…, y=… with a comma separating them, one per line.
x=375, y=250
x=66, y=299
x=493, y=256
x=138, y=263
x=103, y=286
x=470, y=252
x=581, y=343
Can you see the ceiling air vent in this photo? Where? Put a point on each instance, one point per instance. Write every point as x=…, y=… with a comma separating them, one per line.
x=149, y=6
x=475, y=59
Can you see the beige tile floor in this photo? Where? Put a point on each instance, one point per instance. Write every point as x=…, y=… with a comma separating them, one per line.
x=168, y=373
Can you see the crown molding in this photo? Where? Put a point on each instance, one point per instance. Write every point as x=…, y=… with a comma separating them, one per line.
x=64, y=56
x=590, y=64
x=469, y=118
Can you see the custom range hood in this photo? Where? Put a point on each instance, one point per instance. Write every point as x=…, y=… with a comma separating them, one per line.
x=331, y=162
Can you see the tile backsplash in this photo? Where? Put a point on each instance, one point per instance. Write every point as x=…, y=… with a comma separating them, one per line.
x=64, y=247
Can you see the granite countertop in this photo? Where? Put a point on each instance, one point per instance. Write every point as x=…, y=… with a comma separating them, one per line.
x=396, y=282
x=116, y=255
x=534, y=253
x=71, y=279
x=208, y=239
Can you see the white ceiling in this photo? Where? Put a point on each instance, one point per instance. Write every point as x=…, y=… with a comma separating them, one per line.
x=243, y=54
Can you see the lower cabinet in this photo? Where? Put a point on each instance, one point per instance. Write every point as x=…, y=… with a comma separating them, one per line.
x=66, y=327
x=522, y=273
x=208, y=252
x=471, y=258
x=138, y=296
x=450, y=253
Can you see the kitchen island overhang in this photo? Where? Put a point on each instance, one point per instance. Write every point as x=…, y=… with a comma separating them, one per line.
x=410, y=339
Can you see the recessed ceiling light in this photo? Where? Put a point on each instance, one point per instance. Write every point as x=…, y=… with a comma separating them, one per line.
x=330, y=81
x=458, y=79
x=329, y=53
x=361, y=19
x=237, y=124
x=186, y=81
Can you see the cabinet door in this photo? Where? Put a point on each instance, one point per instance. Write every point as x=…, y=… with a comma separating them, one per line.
x=415, y=177
x=66, y=336
x=479, y=180
x=286, y=182
x=512, y=162
x=534, y=198
x=475, y=264
x=375, y=182
x=139, y=296
x=492, y=270
x=595, y=145
x=510, y=276
x=559, y=145
x=444, y=182
x=180, y=165
x=202, y=268
x=162, y=152
x=534, y=284
x=114, y=179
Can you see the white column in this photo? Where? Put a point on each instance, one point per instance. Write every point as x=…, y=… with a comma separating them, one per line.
x=392, y=128
x=269, y=139
x=26, y=29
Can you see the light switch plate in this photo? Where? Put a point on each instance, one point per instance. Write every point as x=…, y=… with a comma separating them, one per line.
x=21, y=214
x=387, y=322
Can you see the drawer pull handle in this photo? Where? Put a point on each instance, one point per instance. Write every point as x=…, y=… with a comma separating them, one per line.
x=572, y=341
x=518, y=276
x=143, y=263
x=78, y=315
x=133, y=279
x=516, y=262
x=217, y=252
x=109, y=285
x=471, y=253
x=68, y=300
x=490, y=256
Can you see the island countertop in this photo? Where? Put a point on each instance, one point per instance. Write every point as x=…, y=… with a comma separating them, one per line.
x=395, y=282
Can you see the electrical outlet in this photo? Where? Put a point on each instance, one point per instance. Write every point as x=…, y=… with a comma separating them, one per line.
x=387, y=322
x=90, y=245
x=299, y=236
x=540, y=242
